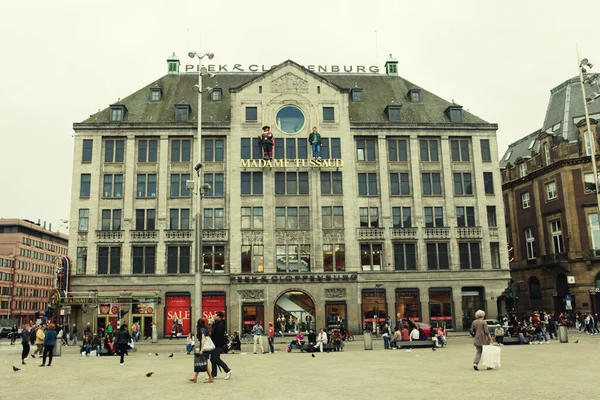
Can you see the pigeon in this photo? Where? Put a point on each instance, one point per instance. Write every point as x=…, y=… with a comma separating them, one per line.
x=313, y=356
x=577, y=341
x=156, y=354
x=171, y=356
x=149, y=374
x=16, y=369
x=433, y=348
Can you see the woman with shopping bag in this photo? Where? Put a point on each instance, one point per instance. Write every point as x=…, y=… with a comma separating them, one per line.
x=481, y=336
x=204, y=345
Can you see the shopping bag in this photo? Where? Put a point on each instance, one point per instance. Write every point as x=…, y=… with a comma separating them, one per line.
x=490, y=357
x=208, y=344
x=200, y=362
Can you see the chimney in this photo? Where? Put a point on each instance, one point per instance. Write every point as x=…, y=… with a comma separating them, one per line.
x=50, y=227
x=44, y=224
x=391, y=66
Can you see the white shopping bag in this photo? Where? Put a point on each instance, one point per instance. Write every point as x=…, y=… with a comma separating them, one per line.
x=490, y=357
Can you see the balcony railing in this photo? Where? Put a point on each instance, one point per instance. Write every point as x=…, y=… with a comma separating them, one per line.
x=370, y=233
x=82, y=236
x=554, y=258
x=405, y=233
x=179, y=235
x=219, y=235
x=468, y=232
x=109, y=236
x=143, y=235
x=493, y=232
x=437, y=233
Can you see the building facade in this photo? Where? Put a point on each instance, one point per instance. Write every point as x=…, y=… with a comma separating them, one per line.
x=30, y=256
x=551, y=209
x=398, y=217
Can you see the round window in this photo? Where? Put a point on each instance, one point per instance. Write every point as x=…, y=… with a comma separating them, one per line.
x=290, y=119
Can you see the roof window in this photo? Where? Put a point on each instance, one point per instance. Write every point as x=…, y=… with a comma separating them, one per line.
x=414, y=95
x=393, y=112
x=117, y=112
x=454, y=112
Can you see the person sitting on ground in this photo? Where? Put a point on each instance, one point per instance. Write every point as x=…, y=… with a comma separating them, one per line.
x=530, y=330
x=396, y=338
x=96, y=344
x=86, y=346
x=299, y=341
x=499, y=334
x=190, y=343
x=405, y=334
x=236, y=343
x=414, y=334
x=540, y=334
x=522, y=334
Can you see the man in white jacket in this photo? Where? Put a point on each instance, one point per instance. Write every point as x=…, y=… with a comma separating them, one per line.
x=321, y=339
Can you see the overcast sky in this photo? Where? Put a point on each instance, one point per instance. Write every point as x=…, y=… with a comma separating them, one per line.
x=65, y=59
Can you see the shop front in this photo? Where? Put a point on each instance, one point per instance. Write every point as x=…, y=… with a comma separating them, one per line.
x=374, y=308
x=472, y=300
x=441, y=307
x=178, y=311
x=251, y=314
x=408, y=305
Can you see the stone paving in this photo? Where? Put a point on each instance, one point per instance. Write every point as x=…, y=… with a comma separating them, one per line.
x=554, y=371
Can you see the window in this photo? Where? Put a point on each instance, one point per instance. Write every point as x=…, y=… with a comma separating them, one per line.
x=111, y=220
x=393, y=113
x=398, y=149
x=523, y=169
x=429, y=150
x=293, y=148
x=155, y=94
x=81, y=266
x=180, y=150
x=454, y=113
x=470, y=257
x=460, y=149
x=182, y=112
x=365, y=150
x=214, y=150
x=109, y=260
x=251, y=183
x=328, y=114
x=432, y=185
x=547, y=154
x=367, y=184
x=415, y=95
x=401, y=217
x=84, y=185
x=86, y=154
x=214, y=259
x=147, y=150
x=437, y=256
x=334, y=257
x=144, y=260
x=551, y=190
x=486, y=154
x=434, y=217
x=291, y=183
x=462, y=184
x=178, y=259
x=179, y=219
x=399, y=184
x=251, y=114
x=557, y=237
x=290, y=119
x=465, y=216
x=594, y=230
x=217, y=94
x=332, y=217
x=293, y=258
x=292, y=218
x=588, y=144
x=488, y=182
x=113, y=185
x=495, y=255
x=330, y=148
x=252, y=218
x=491, y=216
x=530, y=243
x=357, y=95
x=253, y=259
x=114, y=151
x=369, y=217
x=214, y=218
x=179, y=185
x=145, y=220
x=84, y=215
x=146, y=185
x=331, y=183
x=405, y=257
x=371, y=256
x=116, y=114
x=589, y=183
x=525, y=200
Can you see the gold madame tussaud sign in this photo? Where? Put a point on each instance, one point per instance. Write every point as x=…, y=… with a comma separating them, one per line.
x=334, y=163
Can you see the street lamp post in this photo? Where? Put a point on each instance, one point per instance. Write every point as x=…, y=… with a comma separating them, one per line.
x=199, y=264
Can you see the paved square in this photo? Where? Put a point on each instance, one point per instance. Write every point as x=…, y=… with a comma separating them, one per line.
x=554, y=371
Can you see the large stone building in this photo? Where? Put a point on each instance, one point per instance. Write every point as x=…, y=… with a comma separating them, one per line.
x=398, y=217
x=30, y=256
x=551, y=208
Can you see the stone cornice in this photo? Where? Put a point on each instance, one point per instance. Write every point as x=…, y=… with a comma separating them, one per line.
x=136, y=126
x=445, y=127
x=543, y=171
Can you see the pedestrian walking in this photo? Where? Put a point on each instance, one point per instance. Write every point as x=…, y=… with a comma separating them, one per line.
x=25, y=343
x=39, y=341
x=271, y=338
x=257, y=331
x=218, y=337
x=202, y=333
x=122, y=339
x=14, y=333
x=74, y=334
x=481, y=336
x=49, y=343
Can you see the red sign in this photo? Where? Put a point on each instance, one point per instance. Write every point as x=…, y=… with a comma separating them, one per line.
x=374, y=320
x=178, y=307
x=212, y=304
x=441, y=318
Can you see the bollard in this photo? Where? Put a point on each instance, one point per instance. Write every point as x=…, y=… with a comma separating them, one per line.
x=368, y=340
x=563, y=335
x=57, y=348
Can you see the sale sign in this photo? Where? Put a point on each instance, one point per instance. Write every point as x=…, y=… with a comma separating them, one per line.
x=178, y=308
x=210, y=306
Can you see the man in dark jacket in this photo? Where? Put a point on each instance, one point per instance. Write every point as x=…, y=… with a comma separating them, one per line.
x=25, y=343
x=315, y=141
x=218, y=337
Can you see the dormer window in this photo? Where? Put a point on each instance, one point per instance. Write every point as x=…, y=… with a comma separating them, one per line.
x=522, y=169
x=182, y=112
x=155, y=94
x=454, y=112
x=414, y=95
x=117, y=112
x=357, y=95
x=217, y=94
x=393, y=112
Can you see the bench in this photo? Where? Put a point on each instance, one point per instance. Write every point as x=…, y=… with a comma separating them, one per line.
x=513, y=340
x=415, y=343
x=326, y=347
